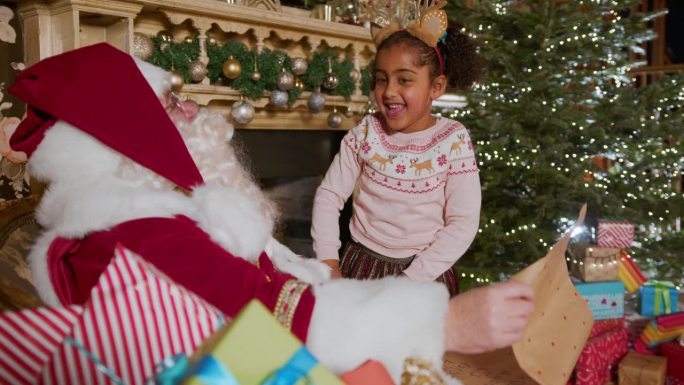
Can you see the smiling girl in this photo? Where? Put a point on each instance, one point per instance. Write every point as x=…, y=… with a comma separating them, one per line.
x=417, y=207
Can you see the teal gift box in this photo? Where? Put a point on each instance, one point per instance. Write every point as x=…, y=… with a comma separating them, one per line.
x=606, y=299
x=658, y=298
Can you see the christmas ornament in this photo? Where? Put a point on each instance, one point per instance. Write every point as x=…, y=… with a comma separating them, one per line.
x=197, y=71
x=355, y=75
x=279, y=98
x=165, y=35
x=242, y=112
x=285, y=80
x=299, y=66
x=142, y=46
x=316, y=102
x=334, y=119
x=212, y=40
x=299, y=84
x=330, y=81
x=177, y=80
x=232, y=68
x=348, y=112
x=256, y=76
x=188, y=39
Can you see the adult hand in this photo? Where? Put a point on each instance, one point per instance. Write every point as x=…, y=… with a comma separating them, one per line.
x=488, y=318
x=334, y=265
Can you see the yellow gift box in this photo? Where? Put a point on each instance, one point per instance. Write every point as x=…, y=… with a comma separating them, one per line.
x=255, y=349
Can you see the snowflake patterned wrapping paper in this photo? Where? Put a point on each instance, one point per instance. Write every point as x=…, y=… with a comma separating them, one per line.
x=599, y=355
x=553, y=339
x=605, y=299
x=134, y=318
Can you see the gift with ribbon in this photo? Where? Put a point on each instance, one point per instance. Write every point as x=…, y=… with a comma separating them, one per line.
x=639, y=369
x=605, y=299
x=629, y=273
x=658, y=297
x=617, y=234
x=134, y=319
x=255, y=349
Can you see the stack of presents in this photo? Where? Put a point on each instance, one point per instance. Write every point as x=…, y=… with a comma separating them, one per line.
x=139, y=327
x=635, y=341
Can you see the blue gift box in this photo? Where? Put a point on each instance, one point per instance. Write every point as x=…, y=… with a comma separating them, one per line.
x=606, y=299
x=658, y=298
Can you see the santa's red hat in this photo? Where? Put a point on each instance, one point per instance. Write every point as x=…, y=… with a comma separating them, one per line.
x=100, y=90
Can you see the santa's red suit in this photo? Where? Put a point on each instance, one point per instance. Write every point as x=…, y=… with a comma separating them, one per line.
x=119, y=171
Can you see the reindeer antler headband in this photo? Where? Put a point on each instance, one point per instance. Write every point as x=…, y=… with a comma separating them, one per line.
x=424, y=19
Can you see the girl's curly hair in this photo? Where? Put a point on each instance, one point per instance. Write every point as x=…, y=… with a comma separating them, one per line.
x=463, y=65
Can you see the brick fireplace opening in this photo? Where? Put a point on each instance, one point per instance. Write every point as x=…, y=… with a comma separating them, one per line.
x=289, y=166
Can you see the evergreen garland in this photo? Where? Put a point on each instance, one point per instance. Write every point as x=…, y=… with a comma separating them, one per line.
x=179, y=55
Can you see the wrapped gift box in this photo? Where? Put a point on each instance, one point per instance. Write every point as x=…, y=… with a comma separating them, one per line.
x=604, y=325
x=22, y=361
x=662, y=329
x=658, y=298
x=674, y=352
x=600, y=354
x=638, y=369
x=605, y=299
x=255, y=349
x=615, y=234
x=630, y=274
x=600, y=264
x=370, y=372
x=673, y=381
x=134, y=319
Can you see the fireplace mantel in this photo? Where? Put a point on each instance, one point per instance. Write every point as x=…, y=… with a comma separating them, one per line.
x=53, y=27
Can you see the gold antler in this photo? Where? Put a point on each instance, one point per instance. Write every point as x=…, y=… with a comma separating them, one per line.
x=424, y=19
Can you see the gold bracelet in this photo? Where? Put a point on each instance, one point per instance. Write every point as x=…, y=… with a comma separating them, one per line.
x=288, y=299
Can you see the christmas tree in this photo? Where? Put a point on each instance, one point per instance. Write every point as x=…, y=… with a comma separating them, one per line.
x=558, y=121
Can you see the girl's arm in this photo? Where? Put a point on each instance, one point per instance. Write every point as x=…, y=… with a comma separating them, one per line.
x=336, y=187
x=461, y=221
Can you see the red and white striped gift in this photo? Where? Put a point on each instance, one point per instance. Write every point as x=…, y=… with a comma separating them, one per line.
x=29, y=338
x=135, y=317
x=618, y=234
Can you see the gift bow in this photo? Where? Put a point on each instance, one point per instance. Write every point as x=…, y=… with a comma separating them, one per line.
x=662, y=290
x=294, y=370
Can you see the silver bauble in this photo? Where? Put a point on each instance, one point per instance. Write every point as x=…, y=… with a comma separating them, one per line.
x=143, y=47
x=197, y=71
x=316, y=102
x=177, y=80
x=256, y=76
x=242, y=112
x=334, y=119
x=355, y=75
x=348, y=112
x=279, y=98
x=285, y=81
x=299, y=66
x=330, y=81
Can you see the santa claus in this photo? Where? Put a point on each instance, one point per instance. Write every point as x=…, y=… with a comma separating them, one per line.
x=128, y=163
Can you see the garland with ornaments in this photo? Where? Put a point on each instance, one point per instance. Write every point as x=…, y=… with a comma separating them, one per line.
x=253, y=73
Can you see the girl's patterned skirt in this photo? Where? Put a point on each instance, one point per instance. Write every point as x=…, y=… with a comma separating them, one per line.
x=359, y=262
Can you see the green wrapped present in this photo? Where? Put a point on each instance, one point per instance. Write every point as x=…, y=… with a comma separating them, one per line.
x=255, y=349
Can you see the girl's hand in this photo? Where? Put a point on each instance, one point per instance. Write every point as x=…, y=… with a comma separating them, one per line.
x=488, y=318
x=334, y=265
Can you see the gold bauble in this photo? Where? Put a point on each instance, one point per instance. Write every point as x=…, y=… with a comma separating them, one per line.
x=142, y=46
x=188, y=39
x=256, y=76
x=299, y=84
x=231, y=68
x=177, y=80
x=165, y=35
